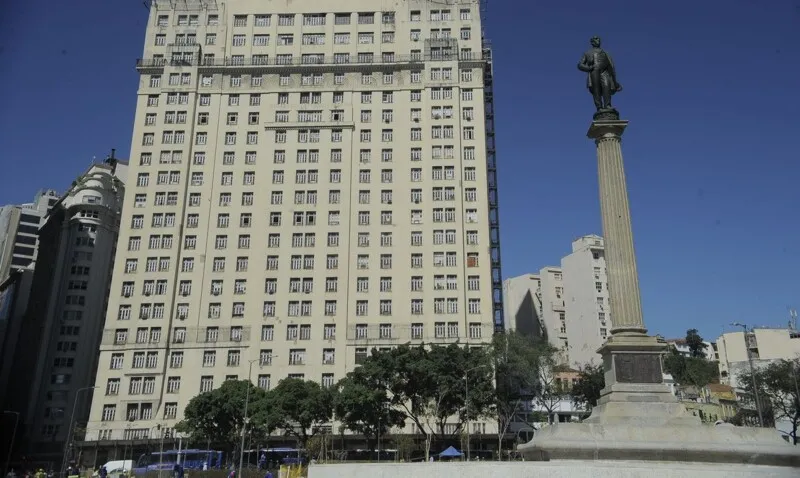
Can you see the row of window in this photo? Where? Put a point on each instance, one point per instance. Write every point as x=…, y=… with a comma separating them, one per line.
x=309, y=218
x=297, y=262
x=236, y=334
x=303, y=308
x=314, y=79
x=190, y=57
x=338, y=97
x=296, y=308
x=152, y=335
x=296, y=285
x=310, y=79
x=308, y=239
x=314, y=39
x=301, y=176
x=312, y=19
x=302, y=156
x=313, y=116
x=310, y=136
x=306, y=262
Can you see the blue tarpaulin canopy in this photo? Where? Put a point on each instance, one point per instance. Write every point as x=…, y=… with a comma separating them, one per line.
x=450, y=453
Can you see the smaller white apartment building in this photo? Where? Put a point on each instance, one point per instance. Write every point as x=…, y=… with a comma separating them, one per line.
x=567, y=306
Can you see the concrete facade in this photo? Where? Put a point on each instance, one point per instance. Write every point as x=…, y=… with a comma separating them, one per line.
x=63, y=326
x=19, y=227
x=567, y=305
x=523, y=310
x=313, y=181
x=765, y=344
x=588, y=313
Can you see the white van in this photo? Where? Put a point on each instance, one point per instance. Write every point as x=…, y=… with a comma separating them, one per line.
x=118, y=468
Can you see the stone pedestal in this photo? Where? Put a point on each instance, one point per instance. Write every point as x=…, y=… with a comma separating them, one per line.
x=637, y=417
x=635, y=393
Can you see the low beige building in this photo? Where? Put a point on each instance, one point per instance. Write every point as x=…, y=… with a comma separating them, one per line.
x=765, y=345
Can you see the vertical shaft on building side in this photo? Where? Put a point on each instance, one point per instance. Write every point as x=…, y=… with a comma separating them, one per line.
x=623, y=278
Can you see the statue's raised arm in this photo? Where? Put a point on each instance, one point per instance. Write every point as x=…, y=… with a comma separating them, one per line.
x=601, y=79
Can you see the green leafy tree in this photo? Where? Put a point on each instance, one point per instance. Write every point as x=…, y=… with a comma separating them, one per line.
x=218, y=416
x=694, y=371
x=519, y=362
x=697, y=348
x=363, y=405
x=779, y=392
x=298, y=407
x=428, y=384
x=586, y=390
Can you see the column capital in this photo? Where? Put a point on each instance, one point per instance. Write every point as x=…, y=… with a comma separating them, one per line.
x=607, y=129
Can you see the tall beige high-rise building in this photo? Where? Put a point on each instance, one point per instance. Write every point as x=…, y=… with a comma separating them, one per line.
x=309, y=180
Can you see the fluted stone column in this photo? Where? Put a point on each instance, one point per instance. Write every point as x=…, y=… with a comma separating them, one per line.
x=623, y=279
x=637, y=417
x=632, y=359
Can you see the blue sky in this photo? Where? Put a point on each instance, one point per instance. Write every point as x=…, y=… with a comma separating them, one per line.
x=711, y=91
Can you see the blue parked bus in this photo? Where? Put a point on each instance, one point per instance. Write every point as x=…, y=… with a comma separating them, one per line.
x=190, y=459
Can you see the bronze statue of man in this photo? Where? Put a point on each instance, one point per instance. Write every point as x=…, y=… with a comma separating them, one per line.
x=602, y=78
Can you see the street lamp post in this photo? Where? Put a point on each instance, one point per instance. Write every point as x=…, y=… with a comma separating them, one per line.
x=466, y=403
x=752, y=374
x=13, y=437
x=68, y=441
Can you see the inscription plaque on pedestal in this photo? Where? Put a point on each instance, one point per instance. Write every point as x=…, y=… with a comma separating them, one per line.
x=638, y=368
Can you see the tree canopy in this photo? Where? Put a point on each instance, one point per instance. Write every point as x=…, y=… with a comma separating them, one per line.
x=695, y=371
x=438, y=388
x=697, y=348
x=586, y=390
x=411, y=380
x=524, y=369
x=363, y=405
x=778, y=385
x=298, y=407
x=218, y=416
